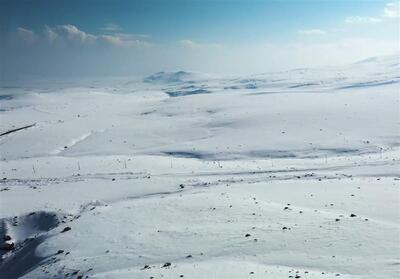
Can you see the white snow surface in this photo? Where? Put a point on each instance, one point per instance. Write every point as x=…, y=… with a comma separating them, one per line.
x=186, y=175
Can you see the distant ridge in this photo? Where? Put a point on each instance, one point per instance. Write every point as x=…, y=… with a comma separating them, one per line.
x=393, y=59
x=166, y=77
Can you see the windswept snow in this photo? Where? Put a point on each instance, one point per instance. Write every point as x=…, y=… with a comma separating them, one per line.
x=278, y=175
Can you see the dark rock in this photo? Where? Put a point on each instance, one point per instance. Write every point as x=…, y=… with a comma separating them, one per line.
x=166, y=264
x=8, y=246
x=66, y=229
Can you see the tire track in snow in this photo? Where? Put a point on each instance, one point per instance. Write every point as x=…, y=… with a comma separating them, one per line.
x=71, y=143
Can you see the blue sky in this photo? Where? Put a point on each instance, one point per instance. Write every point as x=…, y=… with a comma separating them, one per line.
x=136, y=37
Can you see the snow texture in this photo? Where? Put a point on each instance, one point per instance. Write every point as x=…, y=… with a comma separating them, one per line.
x=292, y=174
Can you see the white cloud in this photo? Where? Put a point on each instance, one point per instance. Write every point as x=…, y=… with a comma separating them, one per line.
x=362, y=19
x=130, y=36
x=311, y=32
x=190, y=44
x=72, y=33
x=27, y=35
x=111, y=27
x=122, y=40
x=114, y=40
x=50, y=34
x=392, y=10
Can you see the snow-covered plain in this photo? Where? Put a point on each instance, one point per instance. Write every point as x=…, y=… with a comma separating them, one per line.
x=281, y=175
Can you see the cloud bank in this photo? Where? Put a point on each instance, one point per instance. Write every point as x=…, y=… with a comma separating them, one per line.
x=69, y=34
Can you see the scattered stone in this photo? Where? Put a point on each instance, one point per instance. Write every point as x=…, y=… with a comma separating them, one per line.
x=60, y=252
x=66, y=229
x=7, y=237
x=166, y=264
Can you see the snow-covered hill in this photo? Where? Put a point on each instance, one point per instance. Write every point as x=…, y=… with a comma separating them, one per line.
x=279, y=175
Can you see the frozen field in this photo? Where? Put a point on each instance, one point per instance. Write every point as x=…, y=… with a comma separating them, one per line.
x=283, y=175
